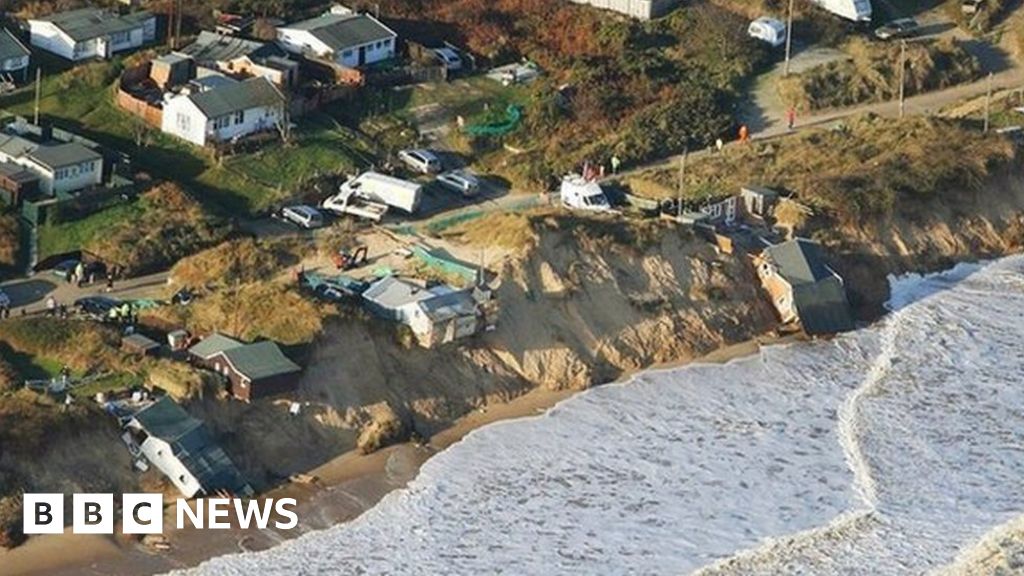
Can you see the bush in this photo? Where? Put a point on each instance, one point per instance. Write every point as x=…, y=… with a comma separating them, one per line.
x=872, y=74
x=170, y=225
x=269, y=310
x=898, y=162
x=11, y=534
x=83, y=346
x=9, y=241
x=10, y=380
x=230, y=264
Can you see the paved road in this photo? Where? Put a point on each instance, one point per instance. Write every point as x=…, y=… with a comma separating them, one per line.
x=31, y=293
x=1011, y=77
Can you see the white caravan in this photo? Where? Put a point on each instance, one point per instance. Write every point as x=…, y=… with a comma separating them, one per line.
x=582, y=194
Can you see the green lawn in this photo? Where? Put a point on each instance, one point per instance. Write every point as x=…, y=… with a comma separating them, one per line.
x=81, y=100
x=70, y=236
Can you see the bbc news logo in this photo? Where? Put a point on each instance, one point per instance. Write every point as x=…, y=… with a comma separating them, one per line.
x=144, y=513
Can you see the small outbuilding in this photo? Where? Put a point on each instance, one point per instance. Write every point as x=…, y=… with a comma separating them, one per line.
x=803, y=288
x=253, y=371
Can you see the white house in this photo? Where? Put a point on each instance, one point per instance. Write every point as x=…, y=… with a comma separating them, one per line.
x=62, y=167
x=642, y=9
x=91, y=33
x=14, y=57
x=436, y=315
x=181, y=448
x=225, y=112
x=351, y=40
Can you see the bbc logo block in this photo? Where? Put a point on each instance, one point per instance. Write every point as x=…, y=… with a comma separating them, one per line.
x=93, y=514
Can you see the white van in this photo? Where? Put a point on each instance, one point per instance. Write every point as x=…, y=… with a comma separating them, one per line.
x=394, y=192
x=768, y=30
x=579, y=193
x=303, y=216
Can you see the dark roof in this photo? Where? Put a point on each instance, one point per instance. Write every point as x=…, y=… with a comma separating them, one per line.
x=213, y=344
x=799, y=261
x=192, y=445
x=17, y=172
x=88, y=23
x=260, y=360
x=10, y=46
x=60, y=155
x=228, y=99
x=166, y=420
x=340, y=31
x=822, y=307
x=213, y=47
x=444, y=306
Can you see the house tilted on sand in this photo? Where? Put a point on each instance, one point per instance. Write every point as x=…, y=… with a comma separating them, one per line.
x=435, y=314
x=182, y=448
x=803, y=288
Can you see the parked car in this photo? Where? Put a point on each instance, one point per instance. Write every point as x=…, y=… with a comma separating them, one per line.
x=97, y=307
x=768, y=30
x=423, y=161
x=460, y=181
x=303, y=216
x=449, y=58
x=5, y=300
x=900, y=28
x=971, y=6
x=65, y=267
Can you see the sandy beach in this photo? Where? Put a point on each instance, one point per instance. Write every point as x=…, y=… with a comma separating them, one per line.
x=344, y=488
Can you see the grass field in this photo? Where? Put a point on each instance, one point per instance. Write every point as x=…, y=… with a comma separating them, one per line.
x=81, y=100
x=73, y=235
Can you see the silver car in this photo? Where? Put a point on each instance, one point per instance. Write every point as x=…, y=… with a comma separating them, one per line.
x=460, y=181
x=423, y=161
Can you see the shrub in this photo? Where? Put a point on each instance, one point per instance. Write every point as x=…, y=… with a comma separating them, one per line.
x=81, y=345
x=230, y=264
x=872, y=74
x=9, y=240
x=275, y=311
x=171, y=225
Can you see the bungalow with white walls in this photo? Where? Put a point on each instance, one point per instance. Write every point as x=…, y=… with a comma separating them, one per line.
x=91, y=33
x=224, y=112
x=60, y=166
x=181, y=447
x=350, y=40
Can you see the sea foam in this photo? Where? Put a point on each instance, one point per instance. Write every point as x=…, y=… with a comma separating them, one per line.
x=891, y=450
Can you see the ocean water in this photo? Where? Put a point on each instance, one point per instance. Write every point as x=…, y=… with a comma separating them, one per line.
x=893, y=450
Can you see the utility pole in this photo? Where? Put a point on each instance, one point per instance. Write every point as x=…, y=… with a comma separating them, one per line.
x=789, y=37
x=682, y=182
x=903, y=76
x=988, y=101
x=39, y=85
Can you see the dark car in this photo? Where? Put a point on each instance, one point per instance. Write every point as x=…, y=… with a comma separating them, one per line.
x=97, y=307
x=65, y=268
x=901, y=28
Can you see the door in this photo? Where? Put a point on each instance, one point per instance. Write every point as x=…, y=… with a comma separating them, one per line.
x=362, y=55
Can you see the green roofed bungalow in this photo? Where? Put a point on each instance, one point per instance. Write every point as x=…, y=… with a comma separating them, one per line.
x=253, y=371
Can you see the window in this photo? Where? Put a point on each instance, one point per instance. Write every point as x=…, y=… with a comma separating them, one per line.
x=239, y=116
x=184, y=122
x=346, y=54
x=119, y=37
x=380, y=45
x=222, y=122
